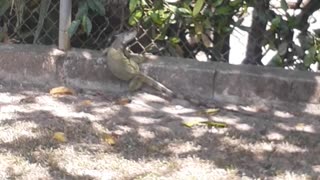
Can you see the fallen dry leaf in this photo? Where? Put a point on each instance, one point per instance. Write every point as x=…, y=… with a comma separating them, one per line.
x=123, y=101
x=214, y=124
x=190, y=124
x=211, y=111
x=300, y=126
x=153, y=148
x=110, y=139
x=60, y=137
x=62, y=91
x=86, y=103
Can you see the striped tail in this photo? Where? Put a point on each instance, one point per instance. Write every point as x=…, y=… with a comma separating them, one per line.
x=160, y=87
x=157, y=85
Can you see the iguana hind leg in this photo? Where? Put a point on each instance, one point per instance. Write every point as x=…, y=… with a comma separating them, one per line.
x=140, y=79
x=136, y=83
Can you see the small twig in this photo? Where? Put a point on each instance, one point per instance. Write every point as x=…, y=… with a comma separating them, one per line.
x=99, y=35
x=11, y=9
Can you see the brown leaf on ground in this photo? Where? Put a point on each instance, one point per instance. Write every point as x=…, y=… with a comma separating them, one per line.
x=60, y=137
x=85, y=103
x=195, y=122
x=110, y=138
x=211, y=111
x=62, y=91
x=123, y=101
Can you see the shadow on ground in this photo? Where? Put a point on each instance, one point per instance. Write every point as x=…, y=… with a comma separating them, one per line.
x=266, y=142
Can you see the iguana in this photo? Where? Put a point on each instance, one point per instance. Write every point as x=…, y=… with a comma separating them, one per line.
x=126, y=67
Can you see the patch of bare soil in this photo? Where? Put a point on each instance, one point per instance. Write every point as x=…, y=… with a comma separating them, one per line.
x=145, y=139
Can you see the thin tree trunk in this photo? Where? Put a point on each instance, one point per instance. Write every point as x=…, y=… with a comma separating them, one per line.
x=258, y=28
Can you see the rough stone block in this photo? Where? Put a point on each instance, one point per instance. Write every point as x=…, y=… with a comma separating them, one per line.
x=252, y=84
x=209, y=82
x=29, y=64
x=187, y=77
x=88, y=69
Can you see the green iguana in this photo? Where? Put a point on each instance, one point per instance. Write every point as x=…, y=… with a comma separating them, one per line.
x=126, y=67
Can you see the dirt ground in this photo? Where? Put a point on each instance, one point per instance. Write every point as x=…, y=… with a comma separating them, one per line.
x=145, y=139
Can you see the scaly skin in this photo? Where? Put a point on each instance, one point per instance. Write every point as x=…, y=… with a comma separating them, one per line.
x=126, y=68
x=120, y=66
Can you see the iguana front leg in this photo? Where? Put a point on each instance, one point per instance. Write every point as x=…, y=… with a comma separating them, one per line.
x=120, y=66
x=137, y=58
x=128, y=70
x=125, y=66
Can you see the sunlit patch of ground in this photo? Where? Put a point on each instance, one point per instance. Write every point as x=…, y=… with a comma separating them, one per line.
x=145, y=139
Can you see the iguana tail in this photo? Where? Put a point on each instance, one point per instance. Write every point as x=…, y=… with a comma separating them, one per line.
x=160, y=87
x=155, y=84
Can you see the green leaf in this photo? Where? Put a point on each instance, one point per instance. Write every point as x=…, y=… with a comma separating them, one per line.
x=133, y=5
x=97, y=6
x=164, y=15
x=235, y=3
x=198, y=28
x=158, y=4
x=174, y=40
x=73, y=27
x=310, y=57
x=197, y=7
x=146, y=21
x=318, y=57
x=292, y=22
x=217, y=3
x=206, y=23
x=275, y=23
x=135, y=17
x=155, y=17
x=132, y=21
x=282, y=49
x=186, y=6
x=284, y=5
x=92, y=5
x=226, y=29
x=308, y=60
x=87, y=25
x=224, y=10
x=82, y=10
x=144, y=3
x=4, y=5
x=172, y=8
x=215, y=124
x=185, y=11
x=138, y=14
x=276, y=61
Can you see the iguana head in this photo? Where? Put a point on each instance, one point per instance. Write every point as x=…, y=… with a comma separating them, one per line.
x=123, y=39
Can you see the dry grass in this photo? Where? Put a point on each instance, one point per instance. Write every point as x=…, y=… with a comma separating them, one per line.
x=150, y=142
